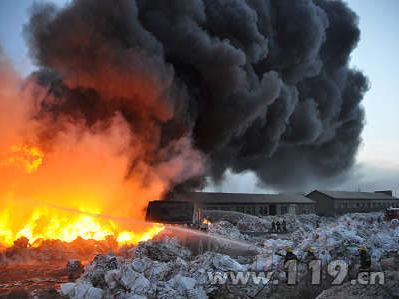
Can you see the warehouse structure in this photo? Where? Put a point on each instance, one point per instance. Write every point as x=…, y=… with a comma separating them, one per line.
x=340, y=202
x=253, y=204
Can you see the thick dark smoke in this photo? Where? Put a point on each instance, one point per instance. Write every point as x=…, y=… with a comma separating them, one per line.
x=260, y=85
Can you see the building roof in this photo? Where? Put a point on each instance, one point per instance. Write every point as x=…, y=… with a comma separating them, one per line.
x=353, y=195
x=245, y=198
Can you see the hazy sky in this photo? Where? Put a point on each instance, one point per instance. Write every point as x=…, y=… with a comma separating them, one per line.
x=376, y=55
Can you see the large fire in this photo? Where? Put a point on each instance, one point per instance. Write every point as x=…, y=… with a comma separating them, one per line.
x=25, y=157
x=37, y=221
x=83, y=172
x=89, y=136
x=47, y=223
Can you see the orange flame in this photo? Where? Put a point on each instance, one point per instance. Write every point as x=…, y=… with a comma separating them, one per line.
x=206, y=221
x=77, y=168
x=48, y=223
x=23, y=157
x=94, y=189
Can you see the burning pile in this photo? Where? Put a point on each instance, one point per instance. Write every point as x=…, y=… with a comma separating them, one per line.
x=58, y=176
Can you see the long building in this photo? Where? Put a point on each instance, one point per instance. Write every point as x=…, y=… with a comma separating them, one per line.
x=340, y=202
x=254, y=204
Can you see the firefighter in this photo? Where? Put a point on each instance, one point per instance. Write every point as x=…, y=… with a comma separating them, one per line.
x=273, y=226
x=365, y=260
x=278, y=226
x=289, y=255
x=284, y=226
x=309, y=255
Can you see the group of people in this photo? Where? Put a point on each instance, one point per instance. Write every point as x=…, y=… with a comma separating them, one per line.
x=278, y=227
x=364, y=256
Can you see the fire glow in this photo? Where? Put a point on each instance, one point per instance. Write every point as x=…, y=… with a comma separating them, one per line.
x=104, y=140
x=79, y=170
x=24, y=157
x=206, y=221
x=47, y=223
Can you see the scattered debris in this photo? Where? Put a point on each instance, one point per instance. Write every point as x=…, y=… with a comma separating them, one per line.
x=163, y=268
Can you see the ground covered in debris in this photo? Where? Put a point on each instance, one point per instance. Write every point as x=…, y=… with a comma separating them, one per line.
x=38, y=270
x=174, y=266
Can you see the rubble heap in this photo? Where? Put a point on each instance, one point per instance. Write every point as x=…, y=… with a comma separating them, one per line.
x=166, y=269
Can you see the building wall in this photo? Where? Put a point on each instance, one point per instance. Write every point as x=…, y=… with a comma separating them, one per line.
x=343, y=206
x=263, y=209
x=324, y=205
x=328, y=206
x=306, y=209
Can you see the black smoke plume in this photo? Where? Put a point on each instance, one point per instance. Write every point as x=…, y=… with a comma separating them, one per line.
x=257, y=85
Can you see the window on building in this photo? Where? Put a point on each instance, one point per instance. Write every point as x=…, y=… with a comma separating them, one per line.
x=284, y=209
x=263, y=210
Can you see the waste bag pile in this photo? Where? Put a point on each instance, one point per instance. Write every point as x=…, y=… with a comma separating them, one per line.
x=164, y=268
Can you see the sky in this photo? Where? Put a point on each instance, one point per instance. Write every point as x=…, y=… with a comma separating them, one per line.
x=377, y=165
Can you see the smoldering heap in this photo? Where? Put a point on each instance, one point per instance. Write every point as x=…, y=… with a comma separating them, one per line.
x=256, y=85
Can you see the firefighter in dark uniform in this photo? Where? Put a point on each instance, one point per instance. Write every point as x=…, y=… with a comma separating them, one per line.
x=284, y=226
x=310, y=262
x=365, y=259
x=290, y=255
x=273, y=226
x=278, y=226
x=309, y=255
